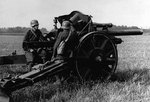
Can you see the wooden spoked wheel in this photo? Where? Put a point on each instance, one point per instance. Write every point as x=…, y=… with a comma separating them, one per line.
x=96, y=57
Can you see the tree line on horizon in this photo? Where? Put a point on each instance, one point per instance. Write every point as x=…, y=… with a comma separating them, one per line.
x=23, y=30
x=18, y=30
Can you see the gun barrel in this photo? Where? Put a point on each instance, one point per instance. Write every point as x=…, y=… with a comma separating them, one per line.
x=126, y=32
x=103, y=24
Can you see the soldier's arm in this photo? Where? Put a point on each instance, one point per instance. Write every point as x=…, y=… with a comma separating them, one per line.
x=25, y=40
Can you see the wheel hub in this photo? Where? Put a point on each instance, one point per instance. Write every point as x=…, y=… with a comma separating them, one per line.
x=98, y=59
x=97, y=56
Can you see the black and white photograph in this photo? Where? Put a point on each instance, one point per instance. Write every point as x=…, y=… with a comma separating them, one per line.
x=74, y=51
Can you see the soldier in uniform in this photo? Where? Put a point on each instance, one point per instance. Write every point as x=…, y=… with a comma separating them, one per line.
x=65, y=42
x=33, y=55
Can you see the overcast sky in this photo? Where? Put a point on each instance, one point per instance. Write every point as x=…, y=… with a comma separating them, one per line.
x=119, y=12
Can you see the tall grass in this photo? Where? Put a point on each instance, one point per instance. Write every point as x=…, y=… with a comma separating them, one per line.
x=126, y=85
x=130, y=83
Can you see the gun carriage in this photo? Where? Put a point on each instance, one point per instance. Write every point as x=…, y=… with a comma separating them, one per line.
x=94, y=57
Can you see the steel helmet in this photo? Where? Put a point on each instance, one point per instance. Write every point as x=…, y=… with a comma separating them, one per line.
x=34, y=22
x=66, y=25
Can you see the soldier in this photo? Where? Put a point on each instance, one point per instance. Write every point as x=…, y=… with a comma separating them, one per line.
x=65, y=42
x=33, y=54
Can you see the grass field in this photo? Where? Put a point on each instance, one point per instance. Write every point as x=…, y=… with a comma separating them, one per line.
x=130, y=83
x=8, y=44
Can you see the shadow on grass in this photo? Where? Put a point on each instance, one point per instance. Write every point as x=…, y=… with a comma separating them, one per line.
x=135, y=75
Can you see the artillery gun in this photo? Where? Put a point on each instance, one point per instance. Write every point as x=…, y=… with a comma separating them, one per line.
x=94, y=57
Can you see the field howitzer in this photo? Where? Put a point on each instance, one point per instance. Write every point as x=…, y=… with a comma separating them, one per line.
x=94, y=57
